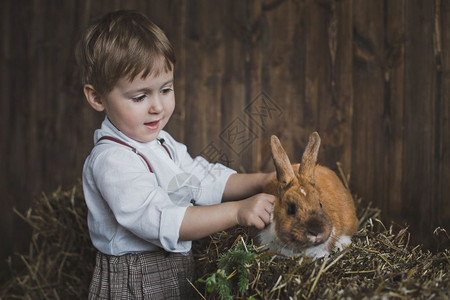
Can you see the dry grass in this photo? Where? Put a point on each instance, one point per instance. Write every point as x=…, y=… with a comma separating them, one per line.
x=60, y=259
x=379, y=264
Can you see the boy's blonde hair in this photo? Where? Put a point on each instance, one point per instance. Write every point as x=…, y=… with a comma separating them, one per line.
x=122, y=44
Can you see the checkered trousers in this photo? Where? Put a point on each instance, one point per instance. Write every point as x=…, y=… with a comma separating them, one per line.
x=148, y=275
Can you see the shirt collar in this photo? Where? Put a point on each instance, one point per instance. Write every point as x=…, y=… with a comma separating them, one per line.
x=108, y=129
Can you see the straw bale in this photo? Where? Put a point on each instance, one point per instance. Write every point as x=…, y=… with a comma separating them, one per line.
x=60, y=258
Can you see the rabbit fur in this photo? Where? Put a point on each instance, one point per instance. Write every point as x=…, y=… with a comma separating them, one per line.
x=314, y=213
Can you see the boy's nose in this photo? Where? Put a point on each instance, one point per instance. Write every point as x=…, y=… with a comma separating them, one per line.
x=155, y=106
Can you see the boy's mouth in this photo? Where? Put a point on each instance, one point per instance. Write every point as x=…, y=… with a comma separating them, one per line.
x=152, y=125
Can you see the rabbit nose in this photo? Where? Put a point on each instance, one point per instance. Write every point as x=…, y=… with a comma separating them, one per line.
x=315, y=236
x=313, y=232
x=314, y=226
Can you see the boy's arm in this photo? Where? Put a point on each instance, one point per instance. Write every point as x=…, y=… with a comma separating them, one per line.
x=201, y=221
x=241, y=186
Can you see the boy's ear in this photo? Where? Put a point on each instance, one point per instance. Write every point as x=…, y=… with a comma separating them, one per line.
x=93, y=98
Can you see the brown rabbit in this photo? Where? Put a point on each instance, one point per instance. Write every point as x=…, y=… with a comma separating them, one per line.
x=314, y=213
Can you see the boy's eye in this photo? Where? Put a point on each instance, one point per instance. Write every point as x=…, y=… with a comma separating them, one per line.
x=139, y=98
x=166, y=90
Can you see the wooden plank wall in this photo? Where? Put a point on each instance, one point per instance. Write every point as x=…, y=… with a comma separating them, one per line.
x=371, y=76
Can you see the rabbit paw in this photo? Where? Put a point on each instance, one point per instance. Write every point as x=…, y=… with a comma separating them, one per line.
x=343, y=242
x=318, y=251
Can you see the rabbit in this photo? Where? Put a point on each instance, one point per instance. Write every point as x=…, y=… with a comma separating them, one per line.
x=314, y=213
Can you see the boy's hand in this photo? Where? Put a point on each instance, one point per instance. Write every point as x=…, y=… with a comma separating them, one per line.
x=256, y=210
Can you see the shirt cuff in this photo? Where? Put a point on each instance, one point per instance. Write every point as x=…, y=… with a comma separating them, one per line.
x=169, y=231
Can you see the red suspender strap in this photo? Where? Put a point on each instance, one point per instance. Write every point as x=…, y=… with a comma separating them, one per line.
x=161, y=141
x=129, y=146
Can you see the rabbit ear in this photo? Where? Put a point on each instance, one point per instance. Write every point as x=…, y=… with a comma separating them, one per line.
x=309, y=157
x=283, y=166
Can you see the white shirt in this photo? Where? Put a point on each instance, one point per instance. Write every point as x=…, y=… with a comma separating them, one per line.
x=131, y=209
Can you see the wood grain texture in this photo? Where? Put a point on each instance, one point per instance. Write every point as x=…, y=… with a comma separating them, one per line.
x=442, y=25
x=372, y=77
x=420, y=123
x=368, y=93
x=394, y=98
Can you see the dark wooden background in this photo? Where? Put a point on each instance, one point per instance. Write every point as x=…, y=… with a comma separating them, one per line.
x=372, y=77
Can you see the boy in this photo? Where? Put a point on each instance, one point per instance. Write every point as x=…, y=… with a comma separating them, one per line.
x=141, y=225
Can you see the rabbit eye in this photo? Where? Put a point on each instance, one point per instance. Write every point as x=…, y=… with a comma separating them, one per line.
x=291, y=209
x=321, y=206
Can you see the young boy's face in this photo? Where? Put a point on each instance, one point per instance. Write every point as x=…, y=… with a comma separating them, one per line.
x=142, y=107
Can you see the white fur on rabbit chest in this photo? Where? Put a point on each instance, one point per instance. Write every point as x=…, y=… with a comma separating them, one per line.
x=269, y=238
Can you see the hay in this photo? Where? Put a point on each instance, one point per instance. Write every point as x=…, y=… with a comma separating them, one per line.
x=379, y=264
x=60, y=258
